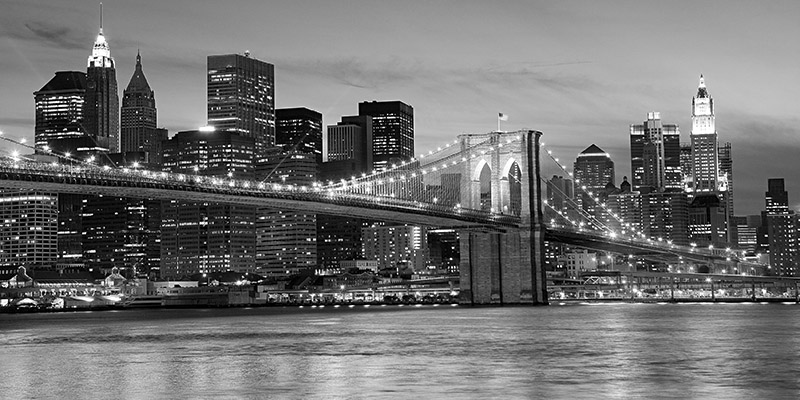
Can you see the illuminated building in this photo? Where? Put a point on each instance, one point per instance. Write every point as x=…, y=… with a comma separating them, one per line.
x=201, y=237
x=349, y=154
x=241, y=97
x=101, y=111
x=139, y=119
x=28, y=228
x=286, y=241
x=401, y=247
x=781, y=224
x=593, y=170
x=655, y=155
x=705, y=158
x=59, y=108
x=299, y=129
x=392, y=131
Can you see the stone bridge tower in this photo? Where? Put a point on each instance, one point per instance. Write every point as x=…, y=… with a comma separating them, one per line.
x=501, y=175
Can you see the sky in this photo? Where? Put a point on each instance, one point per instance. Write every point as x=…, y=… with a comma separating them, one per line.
x=579, y=71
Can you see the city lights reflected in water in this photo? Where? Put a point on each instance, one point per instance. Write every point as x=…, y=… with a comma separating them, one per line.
x=576, y=351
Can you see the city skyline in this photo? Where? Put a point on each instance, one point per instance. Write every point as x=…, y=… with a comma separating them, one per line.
x=580, y=72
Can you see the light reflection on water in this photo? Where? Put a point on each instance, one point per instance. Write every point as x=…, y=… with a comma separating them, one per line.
x=610, y=350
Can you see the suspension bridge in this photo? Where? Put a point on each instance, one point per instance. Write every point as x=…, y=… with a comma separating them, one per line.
x=489, y=186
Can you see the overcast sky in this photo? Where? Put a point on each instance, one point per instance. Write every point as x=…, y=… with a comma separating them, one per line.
x=579, y=71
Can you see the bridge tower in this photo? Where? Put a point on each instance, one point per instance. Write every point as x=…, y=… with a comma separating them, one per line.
x=503, y=267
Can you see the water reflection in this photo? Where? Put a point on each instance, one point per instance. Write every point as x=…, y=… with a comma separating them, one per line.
x=614, y=351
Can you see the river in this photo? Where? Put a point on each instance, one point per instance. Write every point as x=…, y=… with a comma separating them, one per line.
x=615, y=350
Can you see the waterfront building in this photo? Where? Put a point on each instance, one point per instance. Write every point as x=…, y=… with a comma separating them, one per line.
x=202, y=237
x=577, y=262
x=299, y=129
x=781, y=224
x=139, y=119
x=400, y=247
x=392, y=132
x=101, y=111
x=655, y=155
x=28, y=228
x=286, y=241
x=241, y=97
x=60, y=109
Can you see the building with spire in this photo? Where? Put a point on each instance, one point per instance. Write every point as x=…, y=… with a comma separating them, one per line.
x=139, y=118
x=705, y=156
x=101, y=112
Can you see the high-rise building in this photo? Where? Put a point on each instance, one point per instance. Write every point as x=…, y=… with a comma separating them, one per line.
x=286, y=241
x=28, y=228
x=349, y=148
x=392, y=131
x=241, y=97
x=726, y=174
x=781, y=229
x=101, y=110
x=705, y=157
x=139, y=119
x=299, y=129
x=593, y=170
x=59, y=109
x=200, y=237
x=655, y=155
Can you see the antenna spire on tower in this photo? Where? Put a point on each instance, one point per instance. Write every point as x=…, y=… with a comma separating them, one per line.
x=101, y=17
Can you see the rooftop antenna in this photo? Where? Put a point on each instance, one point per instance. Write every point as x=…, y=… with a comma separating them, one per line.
x=101, y=17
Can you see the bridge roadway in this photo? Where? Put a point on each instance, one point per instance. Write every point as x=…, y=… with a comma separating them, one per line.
x=93, y=180
x=656, y=251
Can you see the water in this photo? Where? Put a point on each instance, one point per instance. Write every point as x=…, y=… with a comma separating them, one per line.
x=730, y=351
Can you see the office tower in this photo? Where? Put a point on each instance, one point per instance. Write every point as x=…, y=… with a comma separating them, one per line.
x=241, y=97
x=139, y=119
x=28, y=228
x=726, y=174
x=747, y=232
x=781, y=229
x=349, y=148
x=655, y=155
x=299, y=129
x=686, y=165
x=121, y=232
x=705, y=158
x=59, y=109
x=286, y=241
x=400, y=247
x=349, y=154
x=708, y=221
x=560, y=192
x=392, y=131
x=199, y=237
x=593, y=170
x=101, y=111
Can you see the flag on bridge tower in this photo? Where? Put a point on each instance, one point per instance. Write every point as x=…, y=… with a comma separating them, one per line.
x=501, y=117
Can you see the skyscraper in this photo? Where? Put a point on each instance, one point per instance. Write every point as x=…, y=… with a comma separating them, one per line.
x=199, y=237
x=392, y=131
x=594, y=169
x=299, y=129
x=655, y=155
x=241, y=97
x=139, y=118
x=59, y=109
x=781, y=229
x=349, y=148
x=28, y=228
x=705, y=158
x=286, y=241
x=101, y=112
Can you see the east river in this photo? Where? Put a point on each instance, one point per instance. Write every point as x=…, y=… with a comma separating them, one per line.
x=621, y=350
